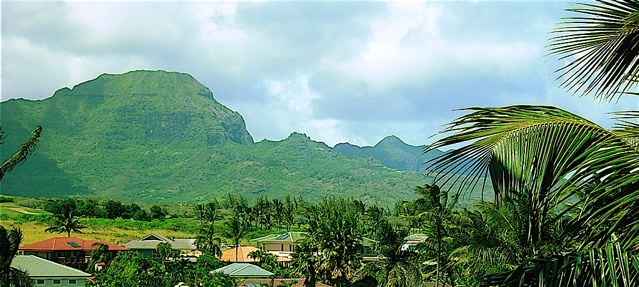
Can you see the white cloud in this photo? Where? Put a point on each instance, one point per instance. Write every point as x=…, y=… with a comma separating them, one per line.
x=338, y=71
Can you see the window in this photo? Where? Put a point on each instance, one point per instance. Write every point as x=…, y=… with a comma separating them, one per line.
x=40, y=282
x=56, y=281
x=71, y=281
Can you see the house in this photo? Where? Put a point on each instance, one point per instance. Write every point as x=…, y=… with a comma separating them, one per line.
x=147, y=245
x=69, y=251
x=369, y=249
x=411, y=241
x=282, y=245
x=296, y=282
x=47, y=273
x=242, y=254
x=243, y=271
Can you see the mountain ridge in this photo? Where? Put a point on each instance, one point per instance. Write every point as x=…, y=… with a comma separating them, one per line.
x=161, y=136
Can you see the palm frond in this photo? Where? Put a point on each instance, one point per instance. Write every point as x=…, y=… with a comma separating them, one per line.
x=552, y=157
x=627, y=126
x=521, y=147
x=600, y=43
x=20, y=155
x=609, y=265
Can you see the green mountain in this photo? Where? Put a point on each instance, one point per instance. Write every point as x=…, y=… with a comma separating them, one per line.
x=391, y=152
x=156, y=136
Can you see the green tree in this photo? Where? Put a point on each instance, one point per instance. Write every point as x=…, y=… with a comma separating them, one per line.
x=113, y=209
x=206, y=241
x=289, y=212
x=19, y=156
x=236, y=227
x=100, y=255
x=9, y=244
x=334, y=226
x=157, y=212
x=436, y=215
x=166, y=252
x=305, y=261
x=131, y=269
x=265, y=212
x=400, y=267
x=64, y=218
x=205, y=264
x=278, y=211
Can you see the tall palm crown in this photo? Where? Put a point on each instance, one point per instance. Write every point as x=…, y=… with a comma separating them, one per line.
x=560, y=163
x=64, y=219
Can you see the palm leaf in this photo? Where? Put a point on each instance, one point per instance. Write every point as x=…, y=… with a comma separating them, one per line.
x=609, y=265
x=600, y=41
x=521, y=147
x=20, y=155
x=626, y=127
x=551, y=157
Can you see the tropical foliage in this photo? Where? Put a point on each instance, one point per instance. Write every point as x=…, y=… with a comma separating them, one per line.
x=9, y=243
x=576, y=182
x=206, y=240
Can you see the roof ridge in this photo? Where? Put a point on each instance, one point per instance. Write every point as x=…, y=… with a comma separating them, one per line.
x=57, y=264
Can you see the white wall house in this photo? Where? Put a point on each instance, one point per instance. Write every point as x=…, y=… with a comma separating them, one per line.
x=50, y=274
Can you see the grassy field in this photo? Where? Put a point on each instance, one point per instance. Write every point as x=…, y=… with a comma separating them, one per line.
x=118, y=231
x=34, y=231
x=33, y=222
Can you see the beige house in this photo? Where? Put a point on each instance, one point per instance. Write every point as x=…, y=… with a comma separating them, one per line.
x=148, y=245
x=280, y=243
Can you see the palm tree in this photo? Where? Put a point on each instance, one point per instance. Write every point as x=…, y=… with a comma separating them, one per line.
x=399, y=266
x=236, y=228
x=436, y=211
x=335, y=228
x=206, y=240
x=256, y=255
x=64, y=219
x=165, y=251
x=562, y=164
x=20, y=155
x=305, y=261
x=101, y=254
x=9, y=244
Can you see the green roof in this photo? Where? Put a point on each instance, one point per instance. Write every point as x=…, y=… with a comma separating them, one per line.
x=293, y=237
x=416, y=237
x=368, y=242
x=39, y=267
x=152, y=240
x=243, y=270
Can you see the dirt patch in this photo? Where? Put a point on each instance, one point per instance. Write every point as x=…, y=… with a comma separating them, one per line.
x=21, y=210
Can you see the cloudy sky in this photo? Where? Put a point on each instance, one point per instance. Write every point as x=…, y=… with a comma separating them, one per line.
x=337, y=71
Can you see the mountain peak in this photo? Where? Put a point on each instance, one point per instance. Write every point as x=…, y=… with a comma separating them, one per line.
x=391, y=140
x=145, y=82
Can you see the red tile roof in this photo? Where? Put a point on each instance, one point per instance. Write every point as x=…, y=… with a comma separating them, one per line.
x=68, y=243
